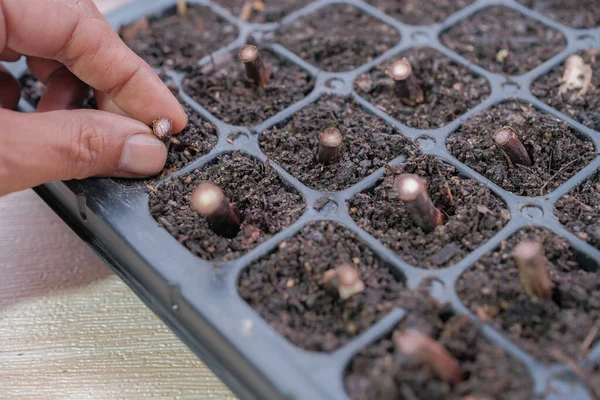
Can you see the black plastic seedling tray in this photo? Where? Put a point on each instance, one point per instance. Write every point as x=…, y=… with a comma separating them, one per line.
x=199, y=299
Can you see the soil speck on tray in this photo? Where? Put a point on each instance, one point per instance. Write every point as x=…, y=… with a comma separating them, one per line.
x=450, y=90
x=557, y=153
x=338, y=38
x=584, y=108
x=305, y=312
x=492, y=290
x=259, y=11
x=472, y=215
x=176, y=41
x=382, y=372
x=368, y=143
x=420, y=12
x=577, y=14
x=504, y=41
x=223, y=88
x=265, y=205
x=579, y=210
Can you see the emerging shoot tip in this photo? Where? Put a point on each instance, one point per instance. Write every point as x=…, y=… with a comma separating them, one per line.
x=406, y=84
x=507, y=140
x=424, y=350
x=256, y=71
x=209, y=201
x=533, y=271
x=412, y=191
x=330, y=146
x=345, y=279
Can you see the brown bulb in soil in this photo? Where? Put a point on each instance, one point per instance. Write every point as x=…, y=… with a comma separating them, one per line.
x=163, y=129
x=330, y=146
x=406, y=84
x=412, y=191
x=533, y=269
x=209, y=201
x=345, y=280
x=423, y=349
x=507, y=140
x=256, y=71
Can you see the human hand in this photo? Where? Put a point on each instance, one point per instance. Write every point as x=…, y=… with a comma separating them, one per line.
x=69, y=45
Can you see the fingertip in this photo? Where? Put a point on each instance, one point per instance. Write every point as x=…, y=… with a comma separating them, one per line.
x=180, y=121
x=11, y=90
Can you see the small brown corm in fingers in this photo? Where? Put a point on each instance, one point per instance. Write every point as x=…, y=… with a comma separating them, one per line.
x=407, y=85
x=507, y=140
x=423, y=349
x=256, y=71
x=345, y=280
x=330, y=146
x=412, y=191
x=163, y=129
x=209, y=201
x=533, y=269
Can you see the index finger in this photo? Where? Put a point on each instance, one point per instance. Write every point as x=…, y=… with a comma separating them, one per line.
x=74, y=33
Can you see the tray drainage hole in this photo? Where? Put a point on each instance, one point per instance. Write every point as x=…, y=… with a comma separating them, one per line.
x=532, y=212
x=419, y=36
x=326, y=206
x=426, y=143
x=334, y=83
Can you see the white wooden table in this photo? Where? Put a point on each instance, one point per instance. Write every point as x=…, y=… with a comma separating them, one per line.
x=70, y=329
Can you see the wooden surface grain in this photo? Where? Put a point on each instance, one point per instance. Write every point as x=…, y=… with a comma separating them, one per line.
x=70, y=329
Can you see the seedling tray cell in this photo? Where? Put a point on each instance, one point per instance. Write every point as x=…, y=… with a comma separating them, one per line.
x=249, y=344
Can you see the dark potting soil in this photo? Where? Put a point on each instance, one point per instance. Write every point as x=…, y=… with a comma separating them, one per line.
x=504, y=41
x=338, y=38
x=574, y=13
x=493, y=291
x=263, y=11
x=472, y=215
x=266, y=206
x=178, y=41
x=450, y=90
x=381, y=372
x=367, y=145
x=579, y=210
x=584, y=108
x=556, y=152
x=419, y=12
x=223, y=89
x=286, y=288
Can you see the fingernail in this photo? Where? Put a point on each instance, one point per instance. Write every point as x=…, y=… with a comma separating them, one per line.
x=142, y=155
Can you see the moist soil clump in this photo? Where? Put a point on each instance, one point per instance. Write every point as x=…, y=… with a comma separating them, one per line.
x=338, y=38
x=258, y=11
x=450, y=90
x=223, y=88
x=419, y=12
x=579, y=210
x=178, y=41
x=493, y=291
x=265, y=205
x=286, y=288
x=577, y=14
x=368, y=143
x=380, y=371
x=504, y=41
x=582, y=107
x=556, y=152
x=472, y=214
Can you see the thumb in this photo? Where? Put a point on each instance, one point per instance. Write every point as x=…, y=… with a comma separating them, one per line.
x=61, y=145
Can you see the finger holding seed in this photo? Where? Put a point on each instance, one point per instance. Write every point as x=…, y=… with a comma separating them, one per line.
x=423, y=349
x=412, y=191
x=508, y=141
x=209, y=201
x=330, y=146
x=533, y=270
x=256, y=71
x=163, y=129
x=345, y=280
x=406, y=84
